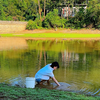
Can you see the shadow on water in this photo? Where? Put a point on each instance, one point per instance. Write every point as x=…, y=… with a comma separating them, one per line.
x=79, y=63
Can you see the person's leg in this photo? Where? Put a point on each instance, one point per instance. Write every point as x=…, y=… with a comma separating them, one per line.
x=38, y=80
x=42, y=81
x=48, y=82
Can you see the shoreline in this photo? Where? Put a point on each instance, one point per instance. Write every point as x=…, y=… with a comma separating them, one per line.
x=50, y=38
x=81, y=31
x=12, y=93
x=60, y=34
x=65, y=39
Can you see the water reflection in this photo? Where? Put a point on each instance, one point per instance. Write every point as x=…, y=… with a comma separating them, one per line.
x=79, y=63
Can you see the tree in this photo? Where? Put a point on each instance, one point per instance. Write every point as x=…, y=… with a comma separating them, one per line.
x=44, y=8
x=39, y=8
x=93, y=14
x=2, y=13
x=53, y=20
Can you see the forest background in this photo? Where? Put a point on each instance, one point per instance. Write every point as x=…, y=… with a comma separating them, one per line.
x=45, y=13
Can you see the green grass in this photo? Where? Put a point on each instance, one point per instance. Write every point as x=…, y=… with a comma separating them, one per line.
x=17, y=93
x=53, y=35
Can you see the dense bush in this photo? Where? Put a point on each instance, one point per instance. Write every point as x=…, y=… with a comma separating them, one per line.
x=89, y=18
x=31, y=25
x=37, y=24
x=93, y=14
x=17, y=10
x=77, y=21
x=52, y=20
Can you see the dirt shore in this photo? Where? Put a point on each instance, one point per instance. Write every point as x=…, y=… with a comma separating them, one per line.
x=17, y=42
x=81, y=31
x=63, y=31
x=8, y=43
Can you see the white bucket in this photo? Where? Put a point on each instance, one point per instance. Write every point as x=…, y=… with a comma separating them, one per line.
x=30, y=82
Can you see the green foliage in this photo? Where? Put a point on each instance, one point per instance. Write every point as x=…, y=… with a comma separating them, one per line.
x=77, y=21
x=93, y=14
x=2, y=13
x=17, y=9
x=98, y=26
x=37, y=24
x=31, y=25
x=89, y=18
x=53, y=20
x=9, y=18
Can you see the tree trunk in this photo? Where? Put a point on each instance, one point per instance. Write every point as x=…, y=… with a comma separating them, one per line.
x=44, y=8
x=39, y=8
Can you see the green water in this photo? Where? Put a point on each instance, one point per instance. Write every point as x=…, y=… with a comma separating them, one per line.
x=79, y=63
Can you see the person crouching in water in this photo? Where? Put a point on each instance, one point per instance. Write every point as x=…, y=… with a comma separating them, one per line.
x=46, y=73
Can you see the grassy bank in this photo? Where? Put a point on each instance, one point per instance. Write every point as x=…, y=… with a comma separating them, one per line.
x=17, y=93
x=53, y=35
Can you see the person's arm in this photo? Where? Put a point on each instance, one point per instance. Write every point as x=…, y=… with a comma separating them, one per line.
x=55, y=81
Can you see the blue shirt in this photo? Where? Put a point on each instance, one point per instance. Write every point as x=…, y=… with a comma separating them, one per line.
x=45, y=73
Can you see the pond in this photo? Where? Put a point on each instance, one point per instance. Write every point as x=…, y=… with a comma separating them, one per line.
x=79, y=63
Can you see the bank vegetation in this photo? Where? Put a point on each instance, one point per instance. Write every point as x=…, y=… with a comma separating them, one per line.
x=47, y=13
x=16, y=93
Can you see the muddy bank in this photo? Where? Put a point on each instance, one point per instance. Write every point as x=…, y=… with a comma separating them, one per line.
x=9, y=43
x=63, y=31
x=81, y=31
x=65, y=39
x=17, y=27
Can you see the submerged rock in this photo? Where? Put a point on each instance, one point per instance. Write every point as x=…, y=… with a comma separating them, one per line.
x=64, y=86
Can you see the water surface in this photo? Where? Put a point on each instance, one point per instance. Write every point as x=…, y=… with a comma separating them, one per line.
x=79, y=64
